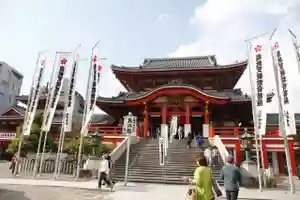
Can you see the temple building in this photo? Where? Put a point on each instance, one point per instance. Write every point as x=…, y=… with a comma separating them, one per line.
x=201, y=93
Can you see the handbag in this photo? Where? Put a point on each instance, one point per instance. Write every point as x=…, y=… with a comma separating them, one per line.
x=191, y=193
x=216, y=188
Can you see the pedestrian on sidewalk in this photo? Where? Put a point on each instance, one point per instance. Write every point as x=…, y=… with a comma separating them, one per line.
x=203, y=180
x=232, y=179
x=103, y=173
x=12, y=165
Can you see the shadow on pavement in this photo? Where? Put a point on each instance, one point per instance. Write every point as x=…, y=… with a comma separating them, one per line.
x=12, y=195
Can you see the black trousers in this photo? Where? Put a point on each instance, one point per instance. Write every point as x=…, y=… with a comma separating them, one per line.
x=103, y=177
x=232, y=195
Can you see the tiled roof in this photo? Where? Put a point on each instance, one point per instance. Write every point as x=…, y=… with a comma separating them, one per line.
x=235, y=94
x=180, y=62
x=157, y=64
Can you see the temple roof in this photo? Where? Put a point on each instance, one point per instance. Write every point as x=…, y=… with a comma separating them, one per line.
x=192, y=62
x=199, y=62
x=233, y=95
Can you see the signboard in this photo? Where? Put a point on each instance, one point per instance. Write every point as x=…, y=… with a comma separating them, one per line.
x=161, y=144
x=129, y=124
x=7, y=136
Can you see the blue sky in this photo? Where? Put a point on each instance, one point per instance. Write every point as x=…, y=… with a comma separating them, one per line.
x=131, y=30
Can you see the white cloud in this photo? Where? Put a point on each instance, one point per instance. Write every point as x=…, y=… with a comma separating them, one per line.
x=224, y=25
x=164, y=17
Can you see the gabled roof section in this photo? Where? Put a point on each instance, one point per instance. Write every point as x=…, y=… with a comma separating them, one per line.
x=180, y=62
x=15, y=111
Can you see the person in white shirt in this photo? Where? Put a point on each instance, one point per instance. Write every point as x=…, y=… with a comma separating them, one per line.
x=215, y=157
x=103, y=173
x=208, y=155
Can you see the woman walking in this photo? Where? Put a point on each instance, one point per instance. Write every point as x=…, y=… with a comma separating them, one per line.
x=203, y=180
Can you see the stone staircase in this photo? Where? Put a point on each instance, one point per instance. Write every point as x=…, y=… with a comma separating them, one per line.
x=144, y=163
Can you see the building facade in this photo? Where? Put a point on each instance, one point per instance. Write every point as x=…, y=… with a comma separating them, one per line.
x=10, y=85
x=201, y=93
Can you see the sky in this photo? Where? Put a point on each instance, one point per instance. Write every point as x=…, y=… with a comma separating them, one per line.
x=131, y=30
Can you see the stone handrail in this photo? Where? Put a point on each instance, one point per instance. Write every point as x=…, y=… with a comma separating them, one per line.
x=216, y=141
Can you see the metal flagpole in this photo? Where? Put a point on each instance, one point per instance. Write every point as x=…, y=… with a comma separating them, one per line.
x=255, y=125
x=39, y=159
x=28, y=107
x=281, y=124
x=61, y=135
x=82, y=132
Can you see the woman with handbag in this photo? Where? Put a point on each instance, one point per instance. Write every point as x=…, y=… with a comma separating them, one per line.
x=203, y=181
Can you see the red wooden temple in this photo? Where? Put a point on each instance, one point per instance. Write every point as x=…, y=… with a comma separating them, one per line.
x=199, y=91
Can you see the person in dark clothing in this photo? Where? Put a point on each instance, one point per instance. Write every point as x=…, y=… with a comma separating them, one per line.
x=189, y=140
x=232, y=179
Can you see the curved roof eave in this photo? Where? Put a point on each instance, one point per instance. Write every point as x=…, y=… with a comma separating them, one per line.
x=185, y=86
x=156, y=69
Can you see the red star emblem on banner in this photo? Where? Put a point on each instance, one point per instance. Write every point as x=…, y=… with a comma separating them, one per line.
x=63, y=61
x=258, y=48
x=95, y=59
x=99, y=68
x=276, y=45
x=42, y=62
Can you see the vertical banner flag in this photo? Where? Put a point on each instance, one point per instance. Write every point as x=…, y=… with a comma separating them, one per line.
x=296, y=48
x=161, y=143
x=56, y=89
x=35, y=93
x=93, y=88
x=282, y=87
x=257, y=80
x=71, y=96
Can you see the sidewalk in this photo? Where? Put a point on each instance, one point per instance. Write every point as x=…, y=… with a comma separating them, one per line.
x=157, y=191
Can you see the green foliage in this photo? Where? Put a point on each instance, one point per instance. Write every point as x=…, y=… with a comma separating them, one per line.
x=91, y=146
x=30, y=142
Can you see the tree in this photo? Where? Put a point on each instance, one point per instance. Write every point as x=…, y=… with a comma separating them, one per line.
x=30, y=142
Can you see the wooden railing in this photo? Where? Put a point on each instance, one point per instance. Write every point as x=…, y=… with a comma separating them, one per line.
x=231, y=131
x=107, y=129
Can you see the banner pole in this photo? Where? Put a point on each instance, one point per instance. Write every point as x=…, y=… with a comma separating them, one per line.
x=29, y=105
x=40, y=158
x=253, y=101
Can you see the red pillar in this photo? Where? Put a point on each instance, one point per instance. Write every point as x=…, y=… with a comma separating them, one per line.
x=281, y=162
x=292, y=157
x=187, y=113
x=265, y=154
x=145, y=121
x=206, y=113
x=164, y=114
x=238, y=153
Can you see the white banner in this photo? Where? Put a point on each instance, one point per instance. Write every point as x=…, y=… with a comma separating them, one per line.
x=283, y=91
x=296, y=48
x=258, y=72
x=35, y=95
x=61, y=67
x=93, y=88
x=164, y=133
x=161, y=143
x=71, y=96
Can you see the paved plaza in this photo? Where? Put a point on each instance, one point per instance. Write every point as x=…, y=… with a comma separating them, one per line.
x=28, y=189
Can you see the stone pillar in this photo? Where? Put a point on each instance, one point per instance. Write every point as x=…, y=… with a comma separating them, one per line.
x=275, y=163
x=187, y=124
x=206, y=112
x=145, y=121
